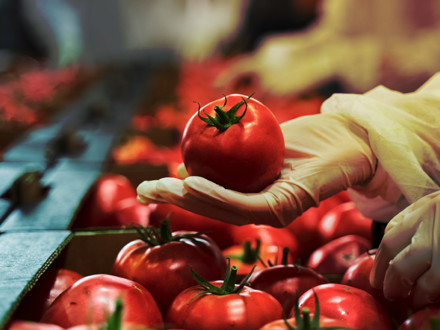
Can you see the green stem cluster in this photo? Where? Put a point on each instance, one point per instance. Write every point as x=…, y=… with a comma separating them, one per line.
x=224, y=119
x=228, y=286
x=154, y=236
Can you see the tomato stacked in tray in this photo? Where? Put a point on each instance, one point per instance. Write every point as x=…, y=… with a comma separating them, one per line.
x=191, y=272
x=187, y=271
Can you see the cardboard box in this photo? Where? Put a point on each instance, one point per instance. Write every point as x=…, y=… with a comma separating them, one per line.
x=26, y=257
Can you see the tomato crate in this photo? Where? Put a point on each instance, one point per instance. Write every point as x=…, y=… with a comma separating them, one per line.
x=61, y=193
x=28, y=259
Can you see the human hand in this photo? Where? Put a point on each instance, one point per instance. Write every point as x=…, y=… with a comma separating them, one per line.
x=325, y=154
x=408, y=258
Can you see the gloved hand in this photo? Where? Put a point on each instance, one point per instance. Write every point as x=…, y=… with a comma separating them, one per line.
x=325, y=154
x=408, y=258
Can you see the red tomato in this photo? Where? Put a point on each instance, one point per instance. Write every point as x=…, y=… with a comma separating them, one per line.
x=124, y=326
x=267, y=235
x=323, y=322
x=165, y=268
x=304, y=320
x=114, y=322
x=286, y=282
x=112, y=203
x=357, y=307
x=29, y=325
x=246, y=309
x=246, y=156
x=64, y=279
x=245, y=257
x=358, y=276
x=421, y=320
x=306, y=227
x=344, y=219
x=92, y=299
x=337, y=255
x=51, y=284
x=130, y=212
x=180, y=219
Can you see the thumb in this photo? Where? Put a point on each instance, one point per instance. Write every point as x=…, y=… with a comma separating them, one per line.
x=181, y=171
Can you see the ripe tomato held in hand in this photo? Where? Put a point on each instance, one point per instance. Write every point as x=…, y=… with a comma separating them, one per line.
x=357, y=307
x=223, y=304
x=161, y=261
x=92, y=299
x=235, y=142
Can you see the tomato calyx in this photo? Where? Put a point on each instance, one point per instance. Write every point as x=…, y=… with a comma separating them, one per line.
x=228, y=286
x=223, y=119
x=250, y=255
x=114, y=322
x=154, y=237
x=304, y=322
x=284, y=259
x=27, y=189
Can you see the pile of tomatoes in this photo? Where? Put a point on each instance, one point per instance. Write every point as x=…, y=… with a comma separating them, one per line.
x=187, y=271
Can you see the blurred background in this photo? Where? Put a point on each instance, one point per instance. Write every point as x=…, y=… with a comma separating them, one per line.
x=292, y=53
x=95, y=95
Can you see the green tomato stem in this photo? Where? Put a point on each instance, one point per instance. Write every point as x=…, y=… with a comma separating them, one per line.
x=224, y=119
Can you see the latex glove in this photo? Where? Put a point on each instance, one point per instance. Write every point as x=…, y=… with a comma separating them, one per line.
x=325, y=154
x=408, y=258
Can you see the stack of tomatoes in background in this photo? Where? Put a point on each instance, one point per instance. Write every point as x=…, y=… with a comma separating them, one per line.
x=117, y=263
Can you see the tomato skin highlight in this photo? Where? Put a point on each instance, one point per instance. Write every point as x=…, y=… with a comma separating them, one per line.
x=358, y=276
x=357, y=307
x=164, y=270
x=249, y=309
x=337, y=255
x=246, y=157
x=285, y=282
x=92, y=299
x=323, y=322
x=421, y=320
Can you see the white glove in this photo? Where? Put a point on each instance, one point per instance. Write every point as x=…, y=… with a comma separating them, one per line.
x=404, y=134
x=325, y=154
x=408, y=258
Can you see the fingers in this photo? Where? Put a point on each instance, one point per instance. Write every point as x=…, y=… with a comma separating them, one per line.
x=172, y=190
x=427, y=288
x=181, y=171
x=410, y=263
x=397, y=237
x=277, y=206
x=407, y=261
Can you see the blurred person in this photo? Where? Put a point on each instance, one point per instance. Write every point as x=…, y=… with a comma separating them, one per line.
x=360, y=43
x=62, y=32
